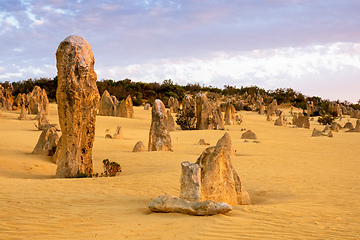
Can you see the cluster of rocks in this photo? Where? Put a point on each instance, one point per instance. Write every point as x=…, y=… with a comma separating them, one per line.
x=301, y=121
x=318, y=133
x=209, y=186
x=31, y=103
x=110, y=106
x=117, y=135
x=6, y=98
x=208, y=115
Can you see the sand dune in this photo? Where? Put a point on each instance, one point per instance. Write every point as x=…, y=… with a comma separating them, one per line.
x=301, y=187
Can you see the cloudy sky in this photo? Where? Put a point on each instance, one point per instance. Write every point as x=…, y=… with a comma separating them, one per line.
x=312, y=46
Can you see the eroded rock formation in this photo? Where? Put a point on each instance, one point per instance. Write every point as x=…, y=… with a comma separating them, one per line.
x=106, y=105
x=139, y=147
x=171, y=204
x=38, y=101
x=159, y=136
x=77, y=97
x=47, y=142
x=208, y=116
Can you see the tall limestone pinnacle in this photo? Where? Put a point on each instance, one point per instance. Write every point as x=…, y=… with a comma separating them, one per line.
x=77, y=98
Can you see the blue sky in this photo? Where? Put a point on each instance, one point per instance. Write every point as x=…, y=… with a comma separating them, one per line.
x=309, y=45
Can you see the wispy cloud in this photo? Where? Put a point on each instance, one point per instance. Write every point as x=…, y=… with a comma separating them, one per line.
x=268, y=42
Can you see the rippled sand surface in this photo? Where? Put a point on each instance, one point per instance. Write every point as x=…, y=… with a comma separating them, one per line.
x=301, y=187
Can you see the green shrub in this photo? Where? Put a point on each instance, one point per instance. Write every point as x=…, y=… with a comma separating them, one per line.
x=186, y=118
x=111, y=169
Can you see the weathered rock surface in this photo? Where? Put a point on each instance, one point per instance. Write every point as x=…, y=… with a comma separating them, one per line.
x=118, y=133
x=317, y=133
x=6, y=99
x=348, y=125
x=190, y=182
x=47, y=142
x=249, y=135
x=139, y=147
x=171, y=204
x=203, y=142
x=43, y=122
x=173, y=104
x=208, y=116
x=272, y=108
x=229, y=113
x=219, y=180
x=301, y=121
x=38, y=101
x=225, y=141
x=77, y=97
x=335, y=127
x=279, y=121
x=357, y=127
x=159, y=136
x=125, y=108
x=23, y=113
x=106, y=105
x=170, y=121
x=147, y=106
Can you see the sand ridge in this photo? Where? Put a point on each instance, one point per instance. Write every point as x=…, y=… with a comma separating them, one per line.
x=301, y=187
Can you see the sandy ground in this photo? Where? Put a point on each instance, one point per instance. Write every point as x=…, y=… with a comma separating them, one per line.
x=301, y=187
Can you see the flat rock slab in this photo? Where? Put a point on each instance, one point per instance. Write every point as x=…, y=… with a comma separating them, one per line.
x=170, y=204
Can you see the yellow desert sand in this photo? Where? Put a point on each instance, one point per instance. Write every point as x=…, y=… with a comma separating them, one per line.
x=301, y=187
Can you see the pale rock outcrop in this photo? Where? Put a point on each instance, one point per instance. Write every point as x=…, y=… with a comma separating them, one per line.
x=43, y=122
x=356, y=128
x=262, y=109
x=38, y=101
x=20, y=100
x=170, y=121
x=310, y=108
x=219, y=180
x=118, y=133
x=229, y=113
x=301, y=121
x=326, y=128
x=159, y=136
x=203, y=142
x=279, y=121
x=348, y=125
x=354, y=113
x=208, y=116
x=77, y=98
x=272, y=108
x=335, y=127
x=225, y=141
x=23, y=113
x=106, y=105
x=139, y=147
x=317, y=133
x=6, y=99
x=249, y=135
x=189, y=103
x=335, y=108
x=125, y=108
x=190, y=182
x=47, y=142
x=147, y=106
x=171, y=204
x=173, y=104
